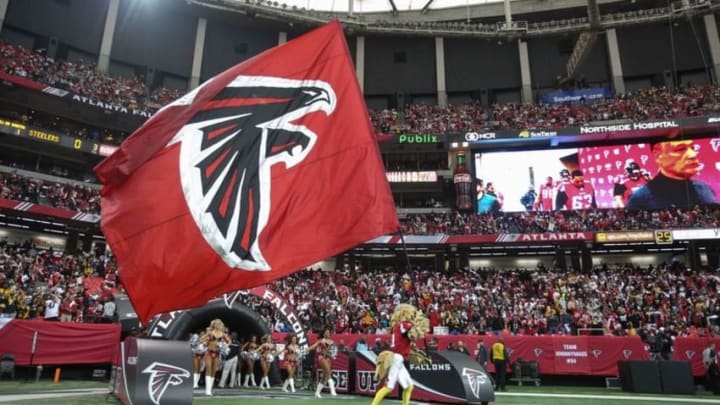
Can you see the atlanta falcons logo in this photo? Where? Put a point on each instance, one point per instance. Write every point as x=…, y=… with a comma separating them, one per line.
x=161, y=377
x=715, y=144
x=227, y=152
x=475, y=379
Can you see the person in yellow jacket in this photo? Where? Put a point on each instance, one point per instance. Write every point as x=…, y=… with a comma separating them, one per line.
x=500, y=359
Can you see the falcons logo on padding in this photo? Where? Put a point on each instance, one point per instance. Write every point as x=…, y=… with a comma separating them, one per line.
x=475, y=379
x=227, y=152
x=161, y=377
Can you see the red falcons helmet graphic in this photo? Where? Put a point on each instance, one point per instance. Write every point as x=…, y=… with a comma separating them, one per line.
x=475, y=379
x=227, y=152
x=161, y=377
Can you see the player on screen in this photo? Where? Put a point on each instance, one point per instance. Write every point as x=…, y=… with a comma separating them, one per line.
x=544, y=200
x=627, y=184
x=578, y=194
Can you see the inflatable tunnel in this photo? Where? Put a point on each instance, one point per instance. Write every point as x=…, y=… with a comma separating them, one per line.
x=178, y=325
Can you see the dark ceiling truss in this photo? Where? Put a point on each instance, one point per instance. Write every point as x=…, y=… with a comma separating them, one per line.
x=394, y=7
x=426, y=7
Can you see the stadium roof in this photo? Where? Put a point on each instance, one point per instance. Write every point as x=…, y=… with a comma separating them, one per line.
x=370, y=6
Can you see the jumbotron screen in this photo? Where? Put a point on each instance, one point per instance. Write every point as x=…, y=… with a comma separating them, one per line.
x=634, y=176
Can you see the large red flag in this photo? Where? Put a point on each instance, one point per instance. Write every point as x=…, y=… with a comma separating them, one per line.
x=267, y=168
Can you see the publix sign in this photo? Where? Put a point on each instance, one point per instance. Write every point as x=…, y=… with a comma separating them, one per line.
x=418, y=139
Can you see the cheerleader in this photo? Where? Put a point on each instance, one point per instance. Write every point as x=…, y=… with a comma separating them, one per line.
x=324, y=354
x=291, y=361
x=249, y=357
x=198, y=350
x=266, y=351
x=214, y=337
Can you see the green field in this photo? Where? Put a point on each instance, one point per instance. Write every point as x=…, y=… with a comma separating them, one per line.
x=91, y=393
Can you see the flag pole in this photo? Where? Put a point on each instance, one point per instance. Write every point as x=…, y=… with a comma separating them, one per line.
x=407, y=256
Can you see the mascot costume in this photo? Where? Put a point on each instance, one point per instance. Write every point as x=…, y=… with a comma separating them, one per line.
x=407, y=325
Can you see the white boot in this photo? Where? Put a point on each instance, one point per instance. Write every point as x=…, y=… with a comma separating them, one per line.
x=247, y=381
x=262, y=383
x=267, y=382
x=318, y=390
x=239, y=380
x=285, y=385
x=292, y=384
x=252, y=380
x=196, y=380
x=209, y=381
x=331, y=383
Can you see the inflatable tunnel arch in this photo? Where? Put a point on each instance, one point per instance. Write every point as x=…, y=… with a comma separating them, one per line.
x=178, y=325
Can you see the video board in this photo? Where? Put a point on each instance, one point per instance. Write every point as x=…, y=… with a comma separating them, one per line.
x=633, y=176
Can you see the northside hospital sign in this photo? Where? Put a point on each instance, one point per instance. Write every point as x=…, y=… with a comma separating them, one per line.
x=635, y=126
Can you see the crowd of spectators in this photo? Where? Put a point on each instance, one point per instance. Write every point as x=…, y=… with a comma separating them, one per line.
x=619, y=300
x=133, y=93
x=640, y=105
x=82, y=78
x=73, y=197
x=560, y=221
x=81, y=198
x=42, y=283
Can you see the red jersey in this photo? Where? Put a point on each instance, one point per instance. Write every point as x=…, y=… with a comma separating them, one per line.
x=400, y=343
x=545, y=197
x=572, y=197
x=627, y=186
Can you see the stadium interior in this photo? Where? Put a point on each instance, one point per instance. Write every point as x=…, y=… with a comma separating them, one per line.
x=489, y=117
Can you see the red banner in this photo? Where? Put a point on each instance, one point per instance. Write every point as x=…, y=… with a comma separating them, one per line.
x=691, y=349
x=559, y=355
x=340, y=373
x=48, y=211
x=21, y=81
x=60, y=342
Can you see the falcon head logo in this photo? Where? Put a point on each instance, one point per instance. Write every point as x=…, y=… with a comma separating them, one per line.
x=538, y=351
x=597, y=353
x=627, y=353
x=475, y=379
x=690, y=354
x=715, y=144
x=227, y=153
x=161, y=377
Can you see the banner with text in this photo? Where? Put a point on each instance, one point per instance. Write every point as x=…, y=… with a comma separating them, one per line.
x=611, y=130
x=91, y=101
x=555, y=354
x=576, y=96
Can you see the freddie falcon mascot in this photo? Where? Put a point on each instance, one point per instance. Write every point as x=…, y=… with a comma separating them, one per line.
x=407, y=324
